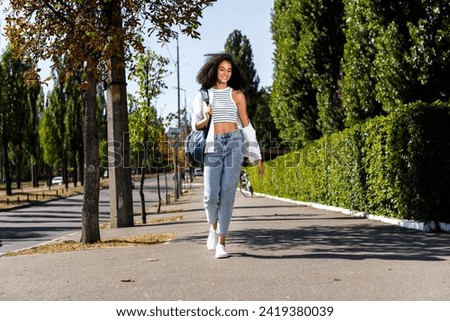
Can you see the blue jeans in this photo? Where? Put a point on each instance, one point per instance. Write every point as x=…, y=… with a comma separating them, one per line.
x=221, y=175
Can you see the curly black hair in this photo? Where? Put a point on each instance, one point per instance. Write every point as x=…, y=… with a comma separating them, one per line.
x=207, y=75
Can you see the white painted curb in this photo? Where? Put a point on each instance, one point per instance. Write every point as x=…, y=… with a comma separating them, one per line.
x=409, y=224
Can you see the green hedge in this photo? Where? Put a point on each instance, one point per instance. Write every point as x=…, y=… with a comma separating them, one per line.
x=396, y=166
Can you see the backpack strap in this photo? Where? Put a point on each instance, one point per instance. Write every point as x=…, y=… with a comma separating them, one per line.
x=205, y=95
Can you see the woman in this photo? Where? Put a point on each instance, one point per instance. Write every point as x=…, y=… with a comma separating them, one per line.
x=225, y=149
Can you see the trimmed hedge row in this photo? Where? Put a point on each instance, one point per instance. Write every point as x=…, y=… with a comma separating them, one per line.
x=396, y=166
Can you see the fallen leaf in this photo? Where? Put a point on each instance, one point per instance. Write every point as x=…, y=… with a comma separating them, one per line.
x=126, y=280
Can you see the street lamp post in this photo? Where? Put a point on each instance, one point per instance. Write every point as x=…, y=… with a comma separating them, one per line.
x=178, y=82
x=178, y=191
x=185, y=104
x=183, y=130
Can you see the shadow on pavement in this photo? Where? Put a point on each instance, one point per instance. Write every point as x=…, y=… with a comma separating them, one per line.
x=352, y=240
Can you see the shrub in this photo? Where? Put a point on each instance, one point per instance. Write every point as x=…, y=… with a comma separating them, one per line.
x=397, y=166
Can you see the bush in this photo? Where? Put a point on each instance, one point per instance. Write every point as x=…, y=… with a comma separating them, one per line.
x=396, y=166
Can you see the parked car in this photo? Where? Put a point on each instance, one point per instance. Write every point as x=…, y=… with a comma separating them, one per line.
x=198, y=172
x=57, y=180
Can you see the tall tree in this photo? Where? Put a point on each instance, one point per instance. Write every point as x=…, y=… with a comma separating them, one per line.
x=145, y=126
x=90, y=230
x=266, y=131
x=121, y=202
x=396, y=53
x=65, y=105
x=362, y=19
x=37, y=100
x=412, y=50
x=319, y=52
x=61, y=128
x=306, y=100
x=99, y=37
x=60, y=110
x=102, y=125
x=15, y=109
x=293, y=101
x=239, y=47
x=51, y=130
x=74, y=123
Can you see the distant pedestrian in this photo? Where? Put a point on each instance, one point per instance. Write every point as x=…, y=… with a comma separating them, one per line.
x=230, y=138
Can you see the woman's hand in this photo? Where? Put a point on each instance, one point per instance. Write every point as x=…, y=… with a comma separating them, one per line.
x=204, y=122
x=208, y=112
x=260, y=167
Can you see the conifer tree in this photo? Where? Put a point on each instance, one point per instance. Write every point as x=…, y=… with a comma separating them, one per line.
x=238, y=45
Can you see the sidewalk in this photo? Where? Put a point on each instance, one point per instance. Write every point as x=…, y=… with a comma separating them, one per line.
x=278, y=251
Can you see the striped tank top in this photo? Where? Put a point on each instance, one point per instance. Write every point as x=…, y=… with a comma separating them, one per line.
x=224, y=108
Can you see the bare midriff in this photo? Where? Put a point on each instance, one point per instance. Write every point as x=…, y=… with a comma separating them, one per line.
x=223, y=128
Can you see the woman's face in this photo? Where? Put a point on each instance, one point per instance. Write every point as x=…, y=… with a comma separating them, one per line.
x=224, y=72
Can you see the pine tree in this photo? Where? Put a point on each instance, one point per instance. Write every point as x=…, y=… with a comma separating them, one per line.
x=239, y=47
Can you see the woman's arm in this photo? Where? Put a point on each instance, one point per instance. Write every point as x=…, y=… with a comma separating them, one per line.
x=241, y=103
x=204, y=122
x=200, y=119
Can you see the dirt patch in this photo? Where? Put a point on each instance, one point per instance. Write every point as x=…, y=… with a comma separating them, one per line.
x=107, y=225
x=70, y=246
x=32, y=195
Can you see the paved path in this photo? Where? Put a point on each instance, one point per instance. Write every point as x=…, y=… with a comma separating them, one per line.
x=27, y=226
x=279, y=251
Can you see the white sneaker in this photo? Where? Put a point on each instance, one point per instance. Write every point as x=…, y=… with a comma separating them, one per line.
x=220, y=252
x=213, y=239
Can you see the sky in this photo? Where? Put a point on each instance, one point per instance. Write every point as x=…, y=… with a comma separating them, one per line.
x=251, y=17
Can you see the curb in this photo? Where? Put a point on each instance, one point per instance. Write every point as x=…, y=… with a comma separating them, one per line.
x=27, y=204
x=408, y=224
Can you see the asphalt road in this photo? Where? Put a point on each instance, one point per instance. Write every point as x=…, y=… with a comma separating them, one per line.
x=279, y=251
x=32, y=225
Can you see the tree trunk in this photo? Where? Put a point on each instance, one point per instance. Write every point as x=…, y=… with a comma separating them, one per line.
x=64, y=168
x=167, y=188
x=159, y=191
x=141, y=192
x=121, y=201
x=6, y=167
x=75, y=170
x=141, y=186
x=90, y=232
x=18, y=153
x=121, y=210
x=34, y=175
x=81, y=164
x=35, y=142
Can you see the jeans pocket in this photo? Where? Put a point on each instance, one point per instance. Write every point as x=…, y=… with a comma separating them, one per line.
x=239, y=137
